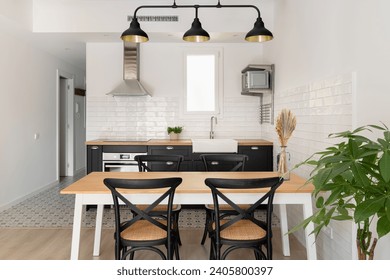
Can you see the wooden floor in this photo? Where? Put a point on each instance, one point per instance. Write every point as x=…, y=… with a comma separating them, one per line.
x=54, y=244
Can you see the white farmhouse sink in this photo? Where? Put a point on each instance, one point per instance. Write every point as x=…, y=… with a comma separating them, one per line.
x=214, y=146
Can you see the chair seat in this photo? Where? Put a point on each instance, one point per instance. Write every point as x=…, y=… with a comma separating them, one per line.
x=226, y=207
x=242, y=230
x=144, y=231
x=162, y=208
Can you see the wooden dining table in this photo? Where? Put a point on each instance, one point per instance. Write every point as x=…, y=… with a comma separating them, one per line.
x=90, y=190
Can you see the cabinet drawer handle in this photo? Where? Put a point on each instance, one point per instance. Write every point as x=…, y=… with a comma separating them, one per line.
x=169, y=148
x=254, y=148
x=214, y=163
x=94, y=148
x=169, y=162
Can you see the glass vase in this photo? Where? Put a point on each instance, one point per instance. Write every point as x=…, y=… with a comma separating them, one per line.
x=283, y=163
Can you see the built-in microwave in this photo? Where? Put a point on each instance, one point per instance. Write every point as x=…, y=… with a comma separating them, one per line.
x=253, y=80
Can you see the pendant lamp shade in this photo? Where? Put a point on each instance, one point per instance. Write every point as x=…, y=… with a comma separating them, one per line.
x=196, y=33
x=134, y=34
x=259, y=33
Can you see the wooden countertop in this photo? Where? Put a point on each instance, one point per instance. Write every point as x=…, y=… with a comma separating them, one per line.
x=181, y=142
x=117, y=143
x=254, y=142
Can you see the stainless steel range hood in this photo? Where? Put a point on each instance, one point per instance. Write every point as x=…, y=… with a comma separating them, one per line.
x=130, y=86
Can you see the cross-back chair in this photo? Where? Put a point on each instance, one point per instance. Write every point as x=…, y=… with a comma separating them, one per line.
x=158, y=163
x=161, y=163
x=143, y=231
x=224, y=162
x=221, y=162
x=242, y=230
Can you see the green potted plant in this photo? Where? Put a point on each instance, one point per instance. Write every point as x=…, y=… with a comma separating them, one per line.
x=352, y=182
x=174, y=132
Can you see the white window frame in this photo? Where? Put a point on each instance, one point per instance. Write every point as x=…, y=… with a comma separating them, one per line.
x=218, y=54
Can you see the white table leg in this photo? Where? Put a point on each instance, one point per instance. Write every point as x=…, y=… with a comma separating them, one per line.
x=77, y=217
x=284, y=230
x=311, y=249
x=98, y=230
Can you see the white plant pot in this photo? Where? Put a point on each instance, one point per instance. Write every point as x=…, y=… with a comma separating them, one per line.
x=174, y=136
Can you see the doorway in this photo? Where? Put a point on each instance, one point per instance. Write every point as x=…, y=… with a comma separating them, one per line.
x=65, y=124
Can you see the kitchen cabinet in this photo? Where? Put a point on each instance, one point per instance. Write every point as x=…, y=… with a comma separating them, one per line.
x=94, y=158
x=260, y=158
x=185, y=151
x=260, y=153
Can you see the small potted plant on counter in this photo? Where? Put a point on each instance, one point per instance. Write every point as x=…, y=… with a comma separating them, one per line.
x=174, y=132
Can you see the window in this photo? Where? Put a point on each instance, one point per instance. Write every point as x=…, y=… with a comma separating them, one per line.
x=201, y=79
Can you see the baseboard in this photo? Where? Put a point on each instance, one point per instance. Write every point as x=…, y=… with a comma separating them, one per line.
x=20, y=199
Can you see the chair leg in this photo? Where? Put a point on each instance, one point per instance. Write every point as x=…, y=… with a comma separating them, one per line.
x=118, y=249
x=269, y=249
x=177, y=227
x=208, y=218
x=257, y=255
x=217, y=252
x=132, y=255
x=176, y=251
x=212, y=250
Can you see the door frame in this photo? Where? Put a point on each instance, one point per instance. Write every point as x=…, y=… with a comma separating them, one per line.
x=70, y=153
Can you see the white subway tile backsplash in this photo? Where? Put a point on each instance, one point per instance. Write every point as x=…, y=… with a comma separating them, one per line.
x=148, y=117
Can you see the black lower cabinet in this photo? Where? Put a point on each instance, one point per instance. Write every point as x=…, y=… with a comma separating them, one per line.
x=94, y=158
x=260, y=158
x=185, y=151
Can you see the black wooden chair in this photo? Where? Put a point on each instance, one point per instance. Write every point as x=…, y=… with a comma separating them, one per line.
x=224, y=162
x=221, y=162
x=161, y=163
x=143, y=231
x=242, y=230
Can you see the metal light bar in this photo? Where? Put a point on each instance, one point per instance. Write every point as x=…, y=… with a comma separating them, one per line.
x=135, y=34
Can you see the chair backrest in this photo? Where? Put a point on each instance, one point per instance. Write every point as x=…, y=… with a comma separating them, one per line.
x=224, y=162
x=167, y=185
x=220, y=186
x=150, y=163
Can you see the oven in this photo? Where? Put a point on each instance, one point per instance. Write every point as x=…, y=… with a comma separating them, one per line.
x=120, y=162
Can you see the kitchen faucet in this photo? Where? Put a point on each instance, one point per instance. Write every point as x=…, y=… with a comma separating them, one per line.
x=212, y=126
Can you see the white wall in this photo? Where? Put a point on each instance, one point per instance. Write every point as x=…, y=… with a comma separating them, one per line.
x=320, y=40
x=161, y=70
x=19, y=11
x=320, y=108
x=28, y=98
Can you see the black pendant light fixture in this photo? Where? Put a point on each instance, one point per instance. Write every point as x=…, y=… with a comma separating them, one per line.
x=259, y=33
x=196, y=33
x=135, y=34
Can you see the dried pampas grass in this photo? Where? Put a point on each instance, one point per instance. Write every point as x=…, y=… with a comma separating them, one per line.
x=285, y=125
